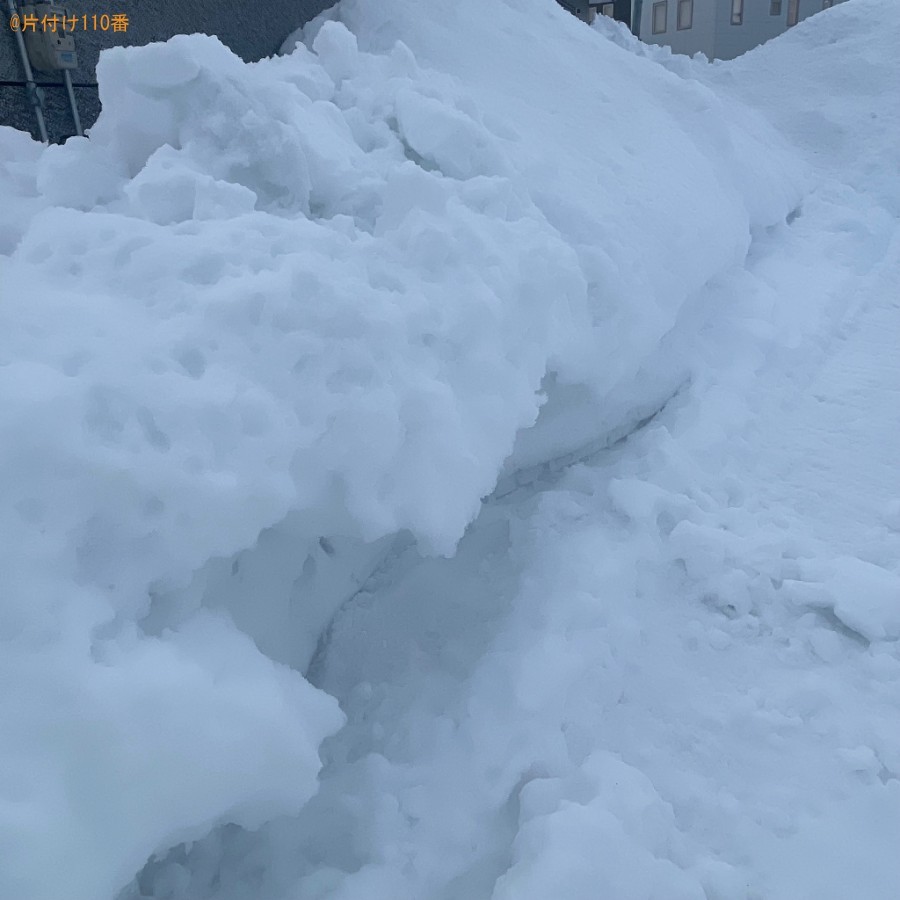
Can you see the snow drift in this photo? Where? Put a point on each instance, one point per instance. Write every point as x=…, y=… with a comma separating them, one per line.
x=271, y=311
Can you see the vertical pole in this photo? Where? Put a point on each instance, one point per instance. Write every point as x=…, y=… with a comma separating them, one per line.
x=33, y=94
x=67, y=77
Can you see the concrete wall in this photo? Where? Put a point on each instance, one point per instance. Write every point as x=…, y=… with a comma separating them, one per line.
x=252, y=28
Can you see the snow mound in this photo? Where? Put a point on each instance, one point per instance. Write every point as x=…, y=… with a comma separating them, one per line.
x=838, y=108
x=329, y=289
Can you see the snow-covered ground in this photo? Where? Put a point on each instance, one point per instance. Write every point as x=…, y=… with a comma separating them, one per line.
x=457, y=460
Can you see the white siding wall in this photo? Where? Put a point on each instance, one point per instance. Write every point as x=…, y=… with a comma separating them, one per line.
x=700, y=37
x=758, y=26
x=712, y=32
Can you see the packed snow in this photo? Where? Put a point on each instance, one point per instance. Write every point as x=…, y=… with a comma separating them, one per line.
x=456, y=459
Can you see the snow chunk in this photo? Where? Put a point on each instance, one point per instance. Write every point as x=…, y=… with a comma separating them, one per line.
x=865, y=597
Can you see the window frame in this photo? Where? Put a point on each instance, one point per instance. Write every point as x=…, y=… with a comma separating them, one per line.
x=608, y=6
x=737, y=12
x=793, y=13
x=665, y=22
x=689, y=6
x=775, y=8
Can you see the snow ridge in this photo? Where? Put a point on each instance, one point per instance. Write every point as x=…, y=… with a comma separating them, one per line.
x=270, y=317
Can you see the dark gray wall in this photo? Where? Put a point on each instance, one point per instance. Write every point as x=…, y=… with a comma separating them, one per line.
x=252, y=28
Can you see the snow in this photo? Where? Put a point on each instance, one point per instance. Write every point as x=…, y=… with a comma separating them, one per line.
x=456, y=459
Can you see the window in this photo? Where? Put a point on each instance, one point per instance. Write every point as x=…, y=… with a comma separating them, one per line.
x=775, y=8
x=737, y=12
x=793, y=12
x=685, y=14
x=608, y=9
x=660, y=11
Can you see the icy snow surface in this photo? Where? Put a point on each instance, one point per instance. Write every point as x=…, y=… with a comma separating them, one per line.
x=456, y=460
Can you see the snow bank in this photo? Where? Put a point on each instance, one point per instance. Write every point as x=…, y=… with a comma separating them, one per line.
x=839, y=109
x=328, y=290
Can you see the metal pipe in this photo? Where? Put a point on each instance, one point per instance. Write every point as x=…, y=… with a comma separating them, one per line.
x=68, y=80
x=33, y=94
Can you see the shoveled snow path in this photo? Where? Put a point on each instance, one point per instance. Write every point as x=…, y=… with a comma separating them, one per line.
x=725, y=588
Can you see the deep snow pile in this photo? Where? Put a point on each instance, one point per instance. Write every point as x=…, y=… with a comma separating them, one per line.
x=267, y=318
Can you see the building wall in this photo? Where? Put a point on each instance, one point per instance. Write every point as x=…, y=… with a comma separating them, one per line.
x=252, y=28
x=699, y=38
x=713, y=33
x=758, y=27
x=622, y=12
